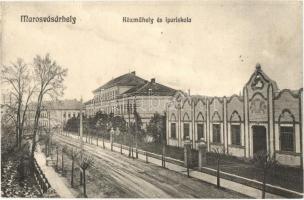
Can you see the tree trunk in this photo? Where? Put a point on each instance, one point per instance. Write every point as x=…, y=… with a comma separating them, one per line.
x=80, y=174
x=264, y=183
x=188, y=170
x=62, y=164
x=103, y=144
x=218, y=174
x=36, y=124
x=84, y=184
x=72, y=173
x=57, y=159
x=164, y=155
x=20, y=136
x=17, y=135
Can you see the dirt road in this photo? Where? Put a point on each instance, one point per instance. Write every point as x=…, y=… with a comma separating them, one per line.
x=114, y=175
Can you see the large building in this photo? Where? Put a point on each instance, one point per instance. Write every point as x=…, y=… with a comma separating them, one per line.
x=55, y=113
x=262, y=118
x=129, y=90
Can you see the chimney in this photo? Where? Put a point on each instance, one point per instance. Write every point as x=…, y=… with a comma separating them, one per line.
x=152, y=80
x=134, y=73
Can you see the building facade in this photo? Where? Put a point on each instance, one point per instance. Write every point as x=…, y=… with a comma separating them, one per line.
x=55, y=114
x=262, y=118
x=128, y=91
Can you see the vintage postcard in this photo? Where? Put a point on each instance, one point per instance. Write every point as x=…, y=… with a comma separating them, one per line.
x=152, y=99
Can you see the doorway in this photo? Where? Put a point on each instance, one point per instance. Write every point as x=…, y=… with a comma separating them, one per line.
x=259, y=139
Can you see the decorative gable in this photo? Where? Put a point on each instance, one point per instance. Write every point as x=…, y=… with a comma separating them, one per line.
x=257, y=82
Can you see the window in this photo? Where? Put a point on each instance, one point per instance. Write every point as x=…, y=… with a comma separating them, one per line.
x=186, y=130
x=200, y=131
x=236, y=134
x=286, y=138
x=173, y=130
x=216, y=130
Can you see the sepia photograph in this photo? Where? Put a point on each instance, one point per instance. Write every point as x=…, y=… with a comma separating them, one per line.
x=152, y=99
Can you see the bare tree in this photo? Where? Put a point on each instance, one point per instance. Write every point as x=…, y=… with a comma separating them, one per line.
x=85, y=163
x=63, y=150
x=266, y=162
x=49, y=76
x=17, y=78
x=74, y=154
x=219, y=154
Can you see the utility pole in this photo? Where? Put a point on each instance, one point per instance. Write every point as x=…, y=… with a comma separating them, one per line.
x=136, y=126
x=81, y=142
x=128, y=109
x=81, y=130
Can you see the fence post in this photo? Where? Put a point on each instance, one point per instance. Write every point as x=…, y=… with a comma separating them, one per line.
x=146, y=157
x=187, y=154
x=202, y=148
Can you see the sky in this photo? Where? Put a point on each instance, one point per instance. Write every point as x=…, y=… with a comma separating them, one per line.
x=213, y=55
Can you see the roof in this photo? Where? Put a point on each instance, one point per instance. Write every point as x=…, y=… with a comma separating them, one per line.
x=72, y=104
x=88, y=102
x=150, y=88
x=129, y=79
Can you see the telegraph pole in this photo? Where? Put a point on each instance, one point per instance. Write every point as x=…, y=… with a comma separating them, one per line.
x=81, y=131
x=136, y=126
x=81, y=142
x=128, y=109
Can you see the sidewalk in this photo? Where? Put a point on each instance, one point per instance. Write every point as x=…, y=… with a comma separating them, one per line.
x=243, y=189
x=54, y=179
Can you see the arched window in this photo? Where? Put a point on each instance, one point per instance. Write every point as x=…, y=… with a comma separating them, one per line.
x=216, y=128
x=286, y=126
x=235, y=128
x=200, y=126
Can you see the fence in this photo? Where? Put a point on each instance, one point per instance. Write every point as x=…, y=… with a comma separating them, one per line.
x=40, y=178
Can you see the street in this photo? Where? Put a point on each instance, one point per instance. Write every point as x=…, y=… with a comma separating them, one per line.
x=115, y=175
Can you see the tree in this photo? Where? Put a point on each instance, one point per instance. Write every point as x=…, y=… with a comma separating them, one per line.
x=49, y=78
x=85, y=163
x=74, y=154
x=266, y=162
x=72, y=124
x=119, y=122
x=157, y=127
x=219, y=153
x=17, y=78
x=101, y=125
x=63, y=150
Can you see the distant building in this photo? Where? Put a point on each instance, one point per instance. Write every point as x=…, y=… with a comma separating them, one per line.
x=129, y=90
x=263, y=118
x=55, y=113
